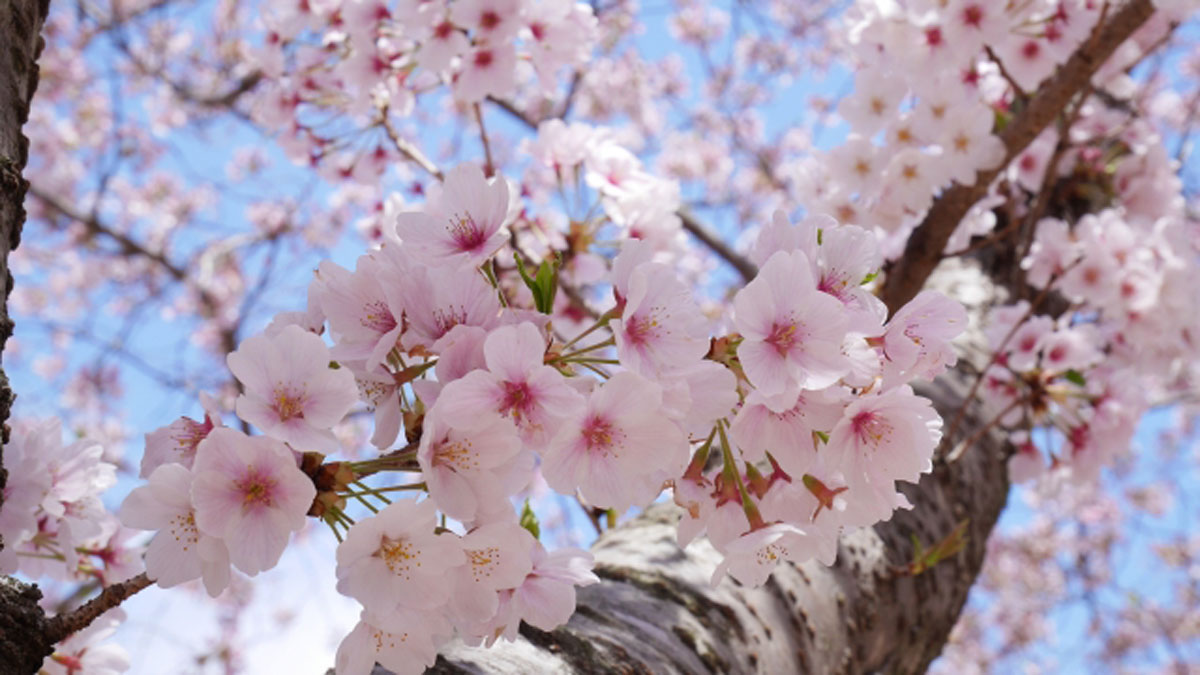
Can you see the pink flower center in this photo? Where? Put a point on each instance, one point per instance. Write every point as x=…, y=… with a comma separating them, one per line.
x=457, y=455
x=443, y=30
x=972, y=15
x=640, y=329
x=399, y=555
x=257, y=490
x=870, y=427
x=447, y=318
x=933, y=36
x=288, y=403
x=600, y=435
x=483, y=561
x=378, y=317
x=517, y=400
x=782, y=337
x=538, y=30
x=489, y=20
x=833, y=285
x=1030, y=50
x=466, y=233
x=190, y=435
x=483, y=58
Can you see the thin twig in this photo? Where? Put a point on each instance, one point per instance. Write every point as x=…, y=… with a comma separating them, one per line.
x=410, y=151
x=60, y=627
x=489, y=169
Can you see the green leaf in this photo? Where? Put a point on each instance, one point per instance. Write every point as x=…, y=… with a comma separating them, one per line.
x=869, y=278
x=529, y=521
x=1075, y=377
x=543, y=285
x=822, y=435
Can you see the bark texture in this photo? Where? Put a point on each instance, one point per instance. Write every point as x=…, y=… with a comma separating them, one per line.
x=23, y=639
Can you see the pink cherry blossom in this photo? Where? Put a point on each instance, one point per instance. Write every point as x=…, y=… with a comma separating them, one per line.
x=436, y=299
x=620, y=449
x=249, y=492
x=783, y=425
x=517, y=385
x=464, y=466
x=404, y=641
x=753, y=556
x=546, y=597
x=291, y=392
x=180, y=551
x=884, y=438
x=364, y=326
x=661, y=328
x=917, y=342
x=498, y=557
x=463, y=221
x=1025, y=344
x=793, y=333
x=487, y=70
x=394, y=559
x=176, y=443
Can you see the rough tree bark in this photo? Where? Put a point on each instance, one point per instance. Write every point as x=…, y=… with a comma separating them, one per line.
x=23, y=639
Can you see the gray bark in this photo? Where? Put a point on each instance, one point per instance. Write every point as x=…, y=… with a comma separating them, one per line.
x=23, y=639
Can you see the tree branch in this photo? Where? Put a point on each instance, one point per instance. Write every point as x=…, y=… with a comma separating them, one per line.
x=744, y=267
x=925, y=245
x=63, y=625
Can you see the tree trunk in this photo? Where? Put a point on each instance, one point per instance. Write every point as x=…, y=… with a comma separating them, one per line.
x=654, y=611
x=23, y=639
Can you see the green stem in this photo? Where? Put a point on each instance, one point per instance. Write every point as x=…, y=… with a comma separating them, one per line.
x=748, y=507
x=599, y=345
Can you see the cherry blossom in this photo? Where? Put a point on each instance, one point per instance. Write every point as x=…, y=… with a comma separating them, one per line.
x=793, y=334
x=394, y=559
x=292, y=393
x=463, y=219
x=620, y=449
x=180, y=551
x=516, y=385
x=249, y=493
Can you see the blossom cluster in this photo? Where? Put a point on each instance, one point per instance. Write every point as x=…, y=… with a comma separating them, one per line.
x=912, y=135
x=807, y=402
x=53, y=523
x=372, y=57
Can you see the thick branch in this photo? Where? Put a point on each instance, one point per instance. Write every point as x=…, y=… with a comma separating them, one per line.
x=20, y=44
x=925, y=245
x=20, y=33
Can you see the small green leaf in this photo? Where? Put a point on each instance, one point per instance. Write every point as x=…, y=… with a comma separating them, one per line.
x=529, y=521
x=1075, y=377
x=335, y=365
x=543, y=286
x=869, y=278
x=822, y=435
